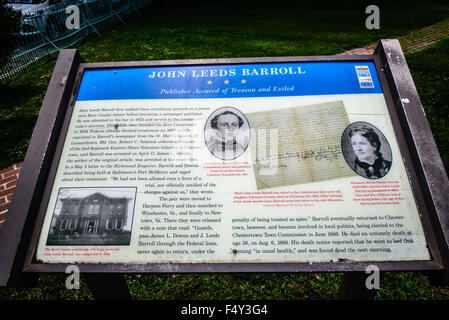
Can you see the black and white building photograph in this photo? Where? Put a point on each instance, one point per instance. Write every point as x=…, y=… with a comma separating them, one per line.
x=92, y=216
x=366, y=150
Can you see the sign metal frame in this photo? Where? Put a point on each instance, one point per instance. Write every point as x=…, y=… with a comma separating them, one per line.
x=423, y=164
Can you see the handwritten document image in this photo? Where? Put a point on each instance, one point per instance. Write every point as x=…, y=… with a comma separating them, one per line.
x=298, y=145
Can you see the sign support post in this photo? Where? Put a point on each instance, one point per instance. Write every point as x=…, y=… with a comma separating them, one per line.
x=353, y=287
x=432, y=174
x=18, y=227
x=104, y=286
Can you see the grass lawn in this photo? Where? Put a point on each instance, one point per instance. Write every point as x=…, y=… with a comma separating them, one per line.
x=182, y=30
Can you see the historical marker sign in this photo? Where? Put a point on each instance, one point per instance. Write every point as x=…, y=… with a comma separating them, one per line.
x=266, y=164
x=291, y=162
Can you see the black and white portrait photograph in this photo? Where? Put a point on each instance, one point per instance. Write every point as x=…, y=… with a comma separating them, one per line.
x=227, y=133
x=92, y=216
x=366, y=150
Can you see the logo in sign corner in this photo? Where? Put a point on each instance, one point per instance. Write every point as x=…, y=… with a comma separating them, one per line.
x=364, y=76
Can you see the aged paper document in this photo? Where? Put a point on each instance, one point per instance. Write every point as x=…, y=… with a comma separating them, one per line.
x=304, y=145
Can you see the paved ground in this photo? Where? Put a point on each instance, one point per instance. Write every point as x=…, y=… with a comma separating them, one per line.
x=412, y=42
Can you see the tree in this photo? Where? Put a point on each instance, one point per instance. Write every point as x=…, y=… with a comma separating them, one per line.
x=10, y=21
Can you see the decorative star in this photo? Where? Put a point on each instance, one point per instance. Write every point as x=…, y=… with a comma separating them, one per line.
x=243, y=81
x=226, y=81
x=209, y=82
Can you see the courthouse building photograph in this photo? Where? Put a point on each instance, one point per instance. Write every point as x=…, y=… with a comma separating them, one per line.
x=89, y=216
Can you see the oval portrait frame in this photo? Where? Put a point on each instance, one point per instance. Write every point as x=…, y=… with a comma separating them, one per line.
x=245, y=131
x=349, y=154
